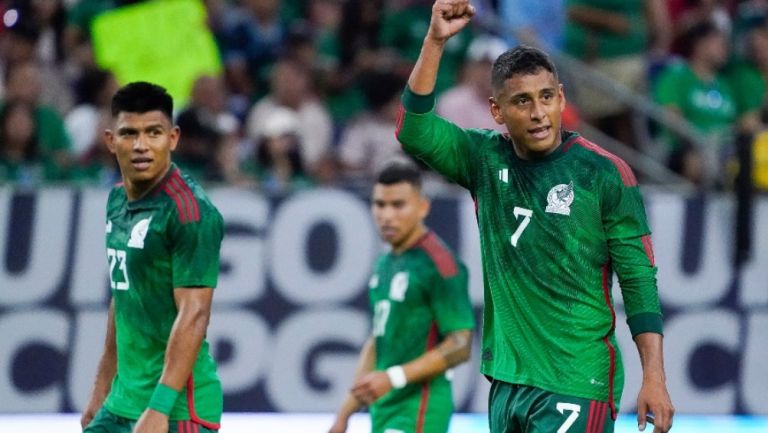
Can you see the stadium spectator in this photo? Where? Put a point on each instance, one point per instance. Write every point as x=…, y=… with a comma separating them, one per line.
x=208, y=144
x=292, y=88
x=368, y=142
x=696, y=90
x=19, y=148
x=278, y=163
x=467, y=103
x=617, y=39
x=24, y=84
x=252, y=37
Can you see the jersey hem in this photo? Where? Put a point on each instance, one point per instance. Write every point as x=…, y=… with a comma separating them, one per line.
x=134, y=417
x=549, y=387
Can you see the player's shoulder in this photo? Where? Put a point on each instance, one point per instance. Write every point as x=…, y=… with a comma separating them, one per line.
x=439, y=255
x=599, y=160
x=486, y=137
x=117, y=197
x=185, y=198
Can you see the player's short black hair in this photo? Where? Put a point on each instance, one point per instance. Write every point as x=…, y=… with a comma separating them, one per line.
x=522, y=59
x=142, y=97
x=400, y=171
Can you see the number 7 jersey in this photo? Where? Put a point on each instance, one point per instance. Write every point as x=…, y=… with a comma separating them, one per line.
x=553, y=231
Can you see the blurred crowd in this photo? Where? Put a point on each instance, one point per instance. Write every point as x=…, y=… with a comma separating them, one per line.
x=309, y=90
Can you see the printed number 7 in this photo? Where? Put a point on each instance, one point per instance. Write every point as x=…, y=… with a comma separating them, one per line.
x=527, y=214
x=574, y=408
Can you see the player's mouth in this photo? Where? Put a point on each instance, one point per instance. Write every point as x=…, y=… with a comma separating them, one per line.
x=540, y=133
x=388, y=232
x=141, y=163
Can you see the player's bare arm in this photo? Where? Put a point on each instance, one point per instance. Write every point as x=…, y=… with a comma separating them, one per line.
x=351, y=404
x=105, y=372
x=653, y=397
x=448, y=18
x=194, y=305
x=456, y=347
x=453, y=350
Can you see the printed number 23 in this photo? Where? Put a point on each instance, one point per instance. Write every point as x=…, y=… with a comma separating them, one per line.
x=117, y=260
x=526, y=214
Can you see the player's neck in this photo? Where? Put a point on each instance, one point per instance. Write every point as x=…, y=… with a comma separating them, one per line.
x=413, y=237
x=137, y=190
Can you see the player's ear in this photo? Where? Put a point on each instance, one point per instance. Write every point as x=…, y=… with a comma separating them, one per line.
x=424, y=206
x=109, y=140
x=174, y=137
x=561, y=91
x=495, y=110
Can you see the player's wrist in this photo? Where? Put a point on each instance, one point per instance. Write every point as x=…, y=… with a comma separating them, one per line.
x=436, y=41
x=397, y=377
x=163, y=399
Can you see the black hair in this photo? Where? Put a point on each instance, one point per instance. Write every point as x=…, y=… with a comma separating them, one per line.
x=90, y=85
x=142, y=97
x=265, y=159
x=399, y=171
x=379, y=87
x=691, y=38
x=31, y=150
x=522, y=59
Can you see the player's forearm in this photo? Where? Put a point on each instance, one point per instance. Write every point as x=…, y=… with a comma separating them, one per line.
x=108, y=362
x=367, y=358
x=365, y=364
x=424, y=74
x=650, y=348
x=452, y=351
x=184, y=344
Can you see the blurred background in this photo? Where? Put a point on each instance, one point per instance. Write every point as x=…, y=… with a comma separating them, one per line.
x=288, y=109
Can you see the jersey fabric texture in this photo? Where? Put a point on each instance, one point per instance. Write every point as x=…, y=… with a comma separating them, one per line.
x=168, y=239
x=417, y=297
x=552, y=231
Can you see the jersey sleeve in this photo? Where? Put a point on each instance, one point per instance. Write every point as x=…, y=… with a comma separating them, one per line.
x=195, y=249
x=442, y=145
x=449, y=300
x=631, y=252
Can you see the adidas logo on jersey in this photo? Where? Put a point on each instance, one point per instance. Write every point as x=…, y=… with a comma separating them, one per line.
x=138, y=233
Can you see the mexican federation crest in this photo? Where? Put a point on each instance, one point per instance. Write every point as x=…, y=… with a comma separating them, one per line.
x=559, y=199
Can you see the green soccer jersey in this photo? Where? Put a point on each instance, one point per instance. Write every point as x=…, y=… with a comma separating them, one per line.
x=552, y=232
x=417, y=297
x=168, y=239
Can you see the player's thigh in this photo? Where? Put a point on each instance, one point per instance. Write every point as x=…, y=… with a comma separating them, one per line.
x=187, y=427
x=504, y=408
x=107, y=422
x=555, y=413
